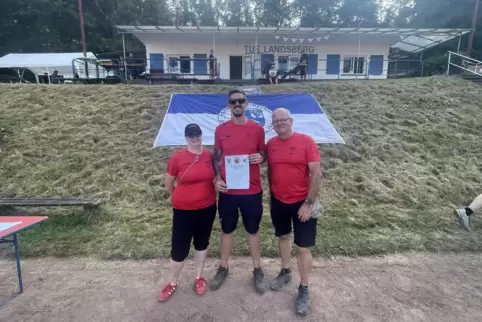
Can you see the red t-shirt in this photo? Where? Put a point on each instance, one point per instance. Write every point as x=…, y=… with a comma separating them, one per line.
x=196, y=189
x=234, y=139
x=288, y=162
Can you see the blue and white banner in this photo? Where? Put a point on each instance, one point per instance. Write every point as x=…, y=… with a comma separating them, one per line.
x=209, y=110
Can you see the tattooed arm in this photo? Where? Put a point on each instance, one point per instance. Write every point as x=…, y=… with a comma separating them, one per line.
x=217, y=155
x=217, y=162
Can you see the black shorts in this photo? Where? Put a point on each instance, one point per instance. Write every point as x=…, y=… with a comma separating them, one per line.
x=251, y=207
x=283, y=214
x=191, y=225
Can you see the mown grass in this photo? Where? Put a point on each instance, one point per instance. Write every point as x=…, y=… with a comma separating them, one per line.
x=413, y=152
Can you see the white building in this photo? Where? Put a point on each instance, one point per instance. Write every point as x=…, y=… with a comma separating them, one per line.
x=241, y=53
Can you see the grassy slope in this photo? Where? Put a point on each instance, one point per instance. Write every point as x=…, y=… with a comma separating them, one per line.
x=413, y=152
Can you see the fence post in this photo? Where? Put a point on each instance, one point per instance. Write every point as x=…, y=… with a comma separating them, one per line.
x=448, y=64
x=421, y=63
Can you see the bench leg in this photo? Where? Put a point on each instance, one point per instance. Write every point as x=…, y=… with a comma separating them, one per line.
x=17, y=258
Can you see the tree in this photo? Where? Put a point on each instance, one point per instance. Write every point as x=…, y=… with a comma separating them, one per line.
x=53, y=25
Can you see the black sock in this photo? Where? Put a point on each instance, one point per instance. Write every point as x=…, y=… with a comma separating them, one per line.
x=468, y=211
x=287, y=270
x=304, y=286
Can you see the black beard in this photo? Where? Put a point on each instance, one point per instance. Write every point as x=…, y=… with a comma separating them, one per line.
x=237, y=113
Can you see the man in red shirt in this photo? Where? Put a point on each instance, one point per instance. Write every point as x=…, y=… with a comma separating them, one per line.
x=236, y=137
x=294, y=176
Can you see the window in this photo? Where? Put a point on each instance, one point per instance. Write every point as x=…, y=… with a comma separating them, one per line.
x=287, y=63
x=185, y=62
x=248, y=65
x=180, y=64
x=283, y=63
x=293, y=61
x=354, y=65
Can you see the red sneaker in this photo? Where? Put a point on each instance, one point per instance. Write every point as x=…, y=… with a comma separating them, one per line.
x=200, y=286
x=167, y=291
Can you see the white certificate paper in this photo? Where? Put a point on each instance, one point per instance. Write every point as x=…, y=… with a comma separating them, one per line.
x=237, y=171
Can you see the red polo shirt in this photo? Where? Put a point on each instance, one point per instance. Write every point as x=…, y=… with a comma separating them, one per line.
x=288, y=162
x=196, y=189
x=234, y=139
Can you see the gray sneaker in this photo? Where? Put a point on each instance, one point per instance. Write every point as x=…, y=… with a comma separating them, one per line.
x=258, y=279
x=280, y=281
x=464, y=220
x=302, y=301
x=219, y=278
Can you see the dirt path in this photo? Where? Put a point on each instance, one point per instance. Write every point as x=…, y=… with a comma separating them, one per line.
x=414, y=287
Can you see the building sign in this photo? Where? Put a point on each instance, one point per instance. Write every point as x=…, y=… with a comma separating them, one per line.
x=249, y=49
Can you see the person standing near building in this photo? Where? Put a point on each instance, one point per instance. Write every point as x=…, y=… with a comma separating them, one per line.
x=239, y=136
x=272, y=73
x=303, y=65
x=212, y=65
x=190, y=181
x=294, y=176
x=465, y=215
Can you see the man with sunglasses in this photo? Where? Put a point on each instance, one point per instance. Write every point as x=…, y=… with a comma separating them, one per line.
x=239, y=136
x=294, y=177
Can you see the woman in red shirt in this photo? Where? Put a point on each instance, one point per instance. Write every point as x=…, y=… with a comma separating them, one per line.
x=190, y=181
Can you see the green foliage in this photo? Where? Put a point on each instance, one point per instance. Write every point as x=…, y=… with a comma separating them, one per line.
x=436, y=65
x=54, y=26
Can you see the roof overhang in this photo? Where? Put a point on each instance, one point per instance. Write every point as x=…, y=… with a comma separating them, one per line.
x=412, y=40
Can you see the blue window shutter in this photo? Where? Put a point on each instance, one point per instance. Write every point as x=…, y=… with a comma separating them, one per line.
x=200, y=64
x=157, y=61
x=333, y=64
x=375, y=66
x=265, y=59
x=313, y=64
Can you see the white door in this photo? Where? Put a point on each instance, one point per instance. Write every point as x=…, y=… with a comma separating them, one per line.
x=248, y=66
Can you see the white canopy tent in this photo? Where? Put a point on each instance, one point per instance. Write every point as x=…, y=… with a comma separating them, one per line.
x=41, y=63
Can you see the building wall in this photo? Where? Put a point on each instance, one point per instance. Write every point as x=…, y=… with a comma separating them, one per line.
x=325, y=55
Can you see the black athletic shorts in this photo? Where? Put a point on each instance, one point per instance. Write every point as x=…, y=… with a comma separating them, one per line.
x=283, y=214
x=251, y=207
x=191, y=225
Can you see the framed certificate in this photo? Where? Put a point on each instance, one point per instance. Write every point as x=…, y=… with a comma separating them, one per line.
x=237, y=171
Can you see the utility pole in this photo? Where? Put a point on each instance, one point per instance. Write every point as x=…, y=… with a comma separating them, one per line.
x=474, y=26
x=82, y=32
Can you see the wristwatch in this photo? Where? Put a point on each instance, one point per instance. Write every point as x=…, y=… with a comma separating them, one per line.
x=309, y=201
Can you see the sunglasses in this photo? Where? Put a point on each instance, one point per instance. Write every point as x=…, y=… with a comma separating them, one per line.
x=194, y=136
x=239, y=101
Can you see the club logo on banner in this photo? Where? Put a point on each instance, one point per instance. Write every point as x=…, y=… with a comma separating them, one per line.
x=210, y=110
x=255, y=112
